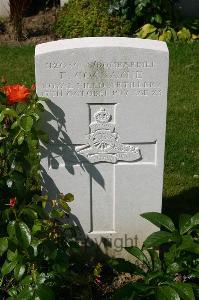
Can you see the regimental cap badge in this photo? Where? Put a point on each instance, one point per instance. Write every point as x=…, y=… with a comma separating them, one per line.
x=102, y=116
x=104, y=144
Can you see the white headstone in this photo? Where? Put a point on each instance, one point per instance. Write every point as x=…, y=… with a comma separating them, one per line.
x=62, y=2
x=107, y=120
x=4, y=8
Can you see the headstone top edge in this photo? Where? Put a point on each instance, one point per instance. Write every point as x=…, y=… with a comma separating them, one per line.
x=97, y=42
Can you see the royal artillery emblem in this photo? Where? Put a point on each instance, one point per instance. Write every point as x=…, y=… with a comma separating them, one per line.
x=104, y=144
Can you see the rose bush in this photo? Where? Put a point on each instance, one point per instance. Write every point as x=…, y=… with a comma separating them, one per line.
x=38, y=255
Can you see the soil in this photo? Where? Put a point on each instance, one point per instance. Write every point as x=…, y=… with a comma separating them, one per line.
x=36, y=29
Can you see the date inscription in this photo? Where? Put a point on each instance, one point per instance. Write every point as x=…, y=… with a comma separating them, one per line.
x=101, y=79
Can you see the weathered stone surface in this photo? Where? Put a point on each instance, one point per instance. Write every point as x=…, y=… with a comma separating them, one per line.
x=106, y=120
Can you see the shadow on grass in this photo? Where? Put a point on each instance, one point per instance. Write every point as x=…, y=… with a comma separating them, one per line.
x=187, y=202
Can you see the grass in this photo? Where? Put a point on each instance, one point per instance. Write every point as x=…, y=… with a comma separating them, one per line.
x=17, y=64
x=181, y=175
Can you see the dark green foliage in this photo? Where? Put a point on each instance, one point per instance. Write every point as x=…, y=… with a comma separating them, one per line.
x=156, y=19
x=81, y=18
x=39, y=258
x=19, y=156
x=143, y=11
x=170, y=273
x=38, y=255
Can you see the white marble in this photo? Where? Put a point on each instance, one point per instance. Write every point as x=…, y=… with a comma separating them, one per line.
x=4, y=8
x=106, y=120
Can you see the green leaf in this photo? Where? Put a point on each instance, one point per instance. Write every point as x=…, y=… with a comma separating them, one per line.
x=19, y=271
x=174, y=268
x=64, y=205
x=158, y=19
x=36, y=116
x=27, y=280
x=26, y=123
x=41, y=278
x=166, y=293
x=44, y=293
x=184, y=290
x=26, y=294
x=121, y=265
x=30, y=213
x=174, y=34
x=10, y=112
x=8, y=267
x=135, y=251
x=165, y=36
x=159, y=220
x=3, y=245
x=151, y=276
x=23, y=234
x=145, y=30
x=194, y=248
x=57, y=213
x=158, y=238
x=21, y=107
x=188, y=244
x=3, y=99
x=1, y=116
x=15, y=124
x=195, y=288
x=68, y=197
x=184, y=223
x=43, y=136
x=184, y=34
x=153, y=36
x=169, y=36
x=195, y=220
x=20, y=139
x=125, y=293
x=155, y=260
x=12, y=292
x=11, y=256
x=36, y=227
x=11, y=229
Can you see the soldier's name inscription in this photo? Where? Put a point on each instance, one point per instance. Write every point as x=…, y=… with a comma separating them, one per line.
x=101, y=79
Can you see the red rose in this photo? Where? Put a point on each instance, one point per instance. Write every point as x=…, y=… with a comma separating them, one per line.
x=12, y=202
x=16, y=93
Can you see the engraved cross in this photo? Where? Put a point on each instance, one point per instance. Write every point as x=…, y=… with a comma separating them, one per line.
x=104, y=148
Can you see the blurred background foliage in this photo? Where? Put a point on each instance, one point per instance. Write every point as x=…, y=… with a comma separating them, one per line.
x=154, y=19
